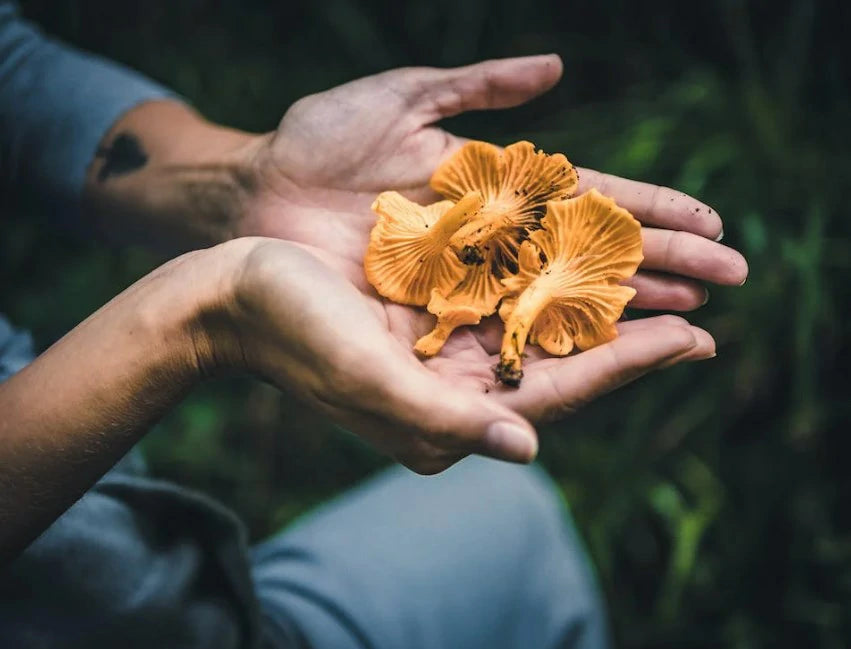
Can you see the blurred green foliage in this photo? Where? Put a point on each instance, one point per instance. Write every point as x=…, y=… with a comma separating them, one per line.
x=712, y=496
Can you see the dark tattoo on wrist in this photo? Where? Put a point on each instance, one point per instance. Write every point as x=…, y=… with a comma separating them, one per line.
x=124, y=155
x=215, y=192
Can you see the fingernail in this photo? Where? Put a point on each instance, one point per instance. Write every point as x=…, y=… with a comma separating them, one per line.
x=720, y=235
x=705, y=299
x=509, y=441
x=743, y=281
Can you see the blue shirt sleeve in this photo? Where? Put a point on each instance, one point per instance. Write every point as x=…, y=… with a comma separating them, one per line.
x=56, y=103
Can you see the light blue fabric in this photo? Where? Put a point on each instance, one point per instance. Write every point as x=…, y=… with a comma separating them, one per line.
x=136, y=563
x=16, y=349
x=482, y=556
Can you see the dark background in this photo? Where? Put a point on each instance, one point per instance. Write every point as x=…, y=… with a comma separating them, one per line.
x=713, y=496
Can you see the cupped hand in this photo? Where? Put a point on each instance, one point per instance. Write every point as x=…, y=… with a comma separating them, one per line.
x=336, y=150
x=305, y=327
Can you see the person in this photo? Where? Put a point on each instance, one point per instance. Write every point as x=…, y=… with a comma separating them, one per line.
x=272, y=228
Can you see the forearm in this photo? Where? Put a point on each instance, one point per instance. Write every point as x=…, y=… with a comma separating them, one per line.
x=163, y=175
x=71, y=414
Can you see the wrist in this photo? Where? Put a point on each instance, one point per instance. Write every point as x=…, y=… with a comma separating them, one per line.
x=203, y=301
x=165, y=175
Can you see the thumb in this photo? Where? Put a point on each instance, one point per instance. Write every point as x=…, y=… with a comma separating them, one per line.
x=498, y=83
x=450, y=421
x=480, y=425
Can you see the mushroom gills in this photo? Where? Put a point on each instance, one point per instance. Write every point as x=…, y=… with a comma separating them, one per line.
x=566, y=291
x=408, y=252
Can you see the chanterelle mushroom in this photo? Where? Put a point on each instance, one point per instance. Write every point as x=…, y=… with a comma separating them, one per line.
x=409, y=254
x=566, y=291
x=515, y=184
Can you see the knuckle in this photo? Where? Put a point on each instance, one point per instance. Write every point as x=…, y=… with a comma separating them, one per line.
x=560, y=405
x=673, y=240
x=691, y=297
x=682, y=337
x=656, y=195
x=673, y=320
x=557, y=412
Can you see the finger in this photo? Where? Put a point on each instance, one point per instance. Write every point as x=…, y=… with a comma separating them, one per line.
x=492, y=343
x=662, y=292
x=683, y=253
x=498, y=83
x=655, y=205
x=533, y=353
x=654, y=291
x=703, y=350
x=705, y=347
x=557, y=387
x=631, y=326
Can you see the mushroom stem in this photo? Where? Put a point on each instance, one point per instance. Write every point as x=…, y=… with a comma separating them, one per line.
x=537, y=296
x=433, y=341
x=454, y=219
x=467, y=242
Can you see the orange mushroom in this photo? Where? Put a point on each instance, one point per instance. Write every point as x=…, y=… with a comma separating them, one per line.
x=409, y=254
x=566, y=291
x=516, y=184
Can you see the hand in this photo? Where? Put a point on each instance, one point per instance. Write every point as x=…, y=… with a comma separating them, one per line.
x=303, y=326
x=335, y=151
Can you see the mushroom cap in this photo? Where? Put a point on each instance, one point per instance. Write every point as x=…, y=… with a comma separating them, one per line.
x=515, y=183
x=408, y=253
x=586, y=247
x=517, y=175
